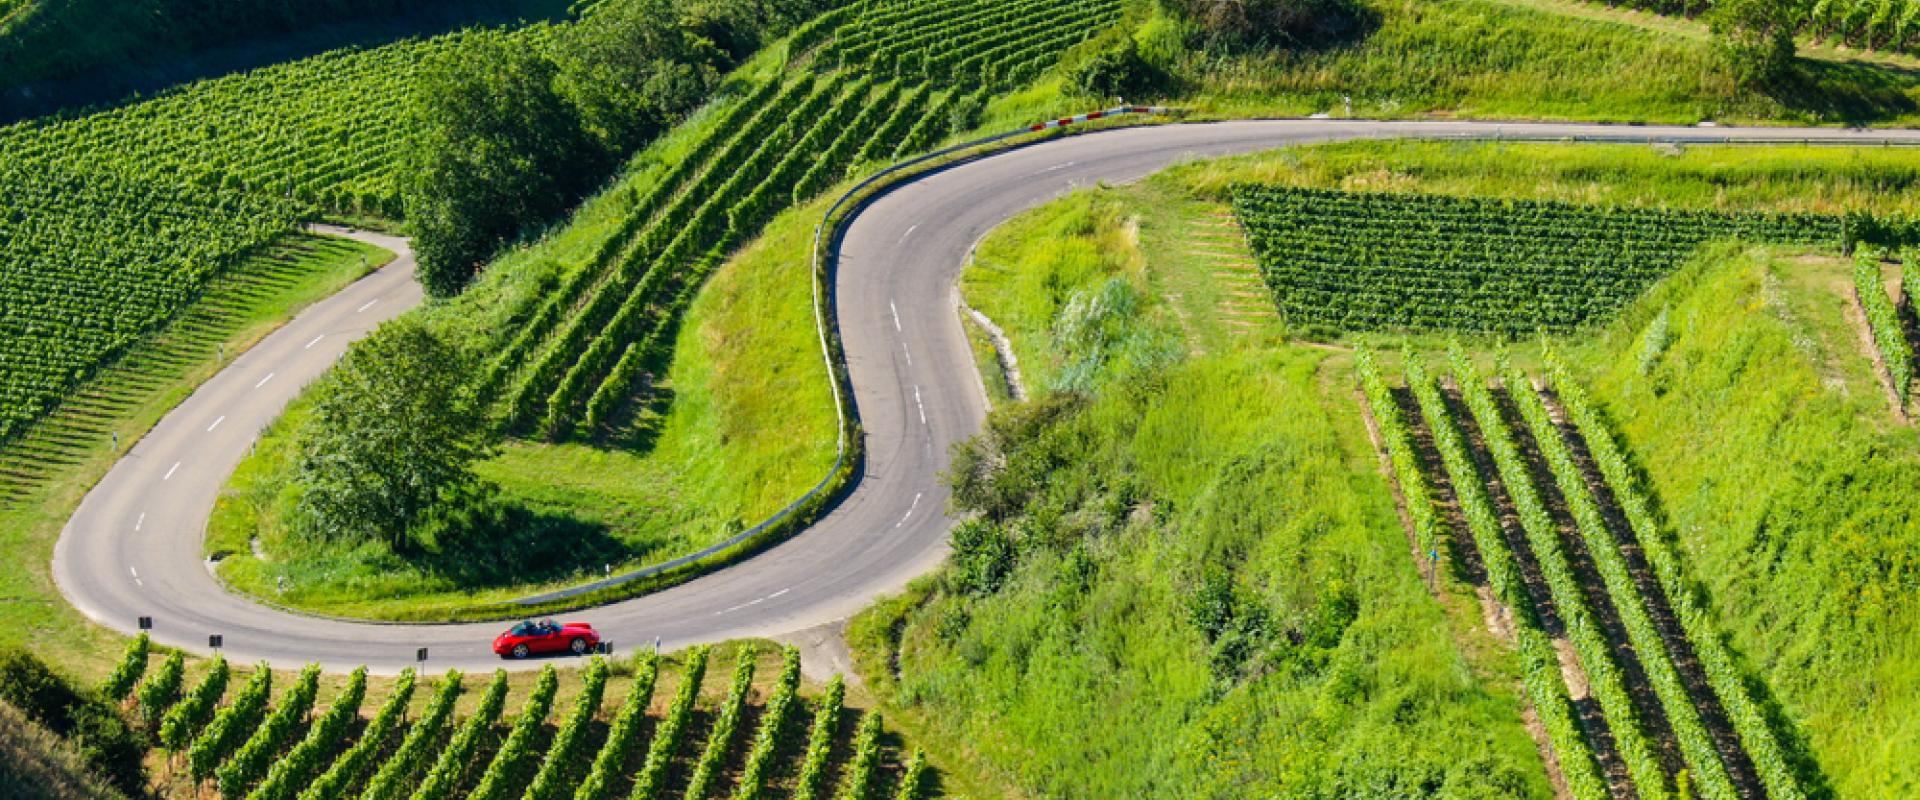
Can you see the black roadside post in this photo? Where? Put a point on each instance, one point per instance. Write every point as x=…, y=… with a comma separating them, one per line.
x=145, y=623
x=215, y=641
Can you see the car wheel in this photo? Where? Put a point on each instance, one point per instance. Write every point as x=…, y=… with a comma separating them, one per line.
x=520, y=651
x=579, y=647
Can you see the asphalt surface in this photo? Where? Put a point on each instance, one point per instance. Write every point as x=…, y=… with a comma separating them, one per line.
x=134, y=546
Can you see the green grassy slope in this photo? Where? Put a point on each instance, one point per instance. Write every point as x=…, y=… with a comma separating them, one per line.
x=1148, y=476
x=1523, y=60
x=1788, y=483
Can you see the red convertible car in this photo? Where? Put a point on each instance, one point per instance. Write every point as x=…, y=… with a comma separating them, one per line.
x=546, y=636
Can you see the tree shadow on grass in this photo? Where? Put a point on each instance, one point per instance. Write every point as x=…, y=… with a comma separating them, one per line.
x=1850, y=92
x=522, y=546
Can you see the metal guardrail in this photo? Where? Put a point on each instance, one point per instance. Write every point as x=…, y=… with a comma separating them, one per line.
x=844, y=412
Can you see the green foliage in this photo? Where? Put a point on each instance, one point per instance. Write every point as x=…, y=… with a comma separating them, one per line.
x=1730, y=683
x=496, y=148
x=752, y=784
x=162, y=689
x=90, y=725
x=1116, y=72
x=348, y=767
x=826, y=720
x=232, y=726
x=913, y=777
x=1291, y=23
x=451, y=766
x=720, y=739
x=1707, y=775
x=648, y=783
x=1883, y=318
x=323, y=740
x=1607, y=679
x=133, y=663
x=1757, y=37
x=1539, y=663
x=185, y=718
x=368, y=476
x=863, y=768
x=1366, y=261
x=568, y=741
x=396, y=774
x=1398, y=438
x=250, y=763
x=516, y=753
x=633, y=68
x=620, y=736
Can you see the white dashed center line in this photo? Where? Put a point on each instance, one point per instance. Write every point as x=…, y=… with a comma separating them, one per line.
x=263, y=381
x=216, y=423
x=903, y=349
x=316, y=340
x=910, y=230
x=778, y=593
x=367, y=306
x=171, y=470
x=896, y=315
x=910, y=510
x=136, y=577
x=141, y=521
x=923, y=406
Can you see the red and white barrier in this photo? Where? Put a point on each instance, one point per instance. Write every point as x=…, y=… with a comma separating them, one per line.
x=1111, y=112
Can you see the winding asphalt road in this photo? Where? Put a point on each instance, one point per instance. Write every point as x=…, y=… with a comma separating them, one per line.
x=133, y=547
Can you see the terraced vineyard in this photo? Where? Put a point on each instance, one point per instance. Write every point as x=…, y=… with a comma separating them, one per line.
x=1890, y=25
x=324, y=130
x=762, y=739
x=578, y=359
x=1619, y=658
x=1375, y=261
x=90, y=263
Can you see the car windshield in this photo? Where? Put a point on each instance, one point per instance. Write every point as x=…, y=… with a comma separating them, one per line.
x=522, y=629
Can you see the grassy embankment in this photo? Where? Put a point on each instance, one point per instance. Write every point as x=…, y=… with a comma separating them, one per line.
x=1098, y=614
x=127, y=399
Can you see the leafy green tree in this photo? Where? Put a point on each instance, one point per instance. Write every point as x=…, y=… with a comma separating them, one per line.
x=394, y=432
x=632, y=68
x=496, y=149
x=1756, y=38
x=1301, y=23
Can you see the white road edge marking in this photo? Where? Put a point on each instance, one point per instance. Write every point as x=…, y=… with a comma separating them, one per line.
x=216, y=423
x=316, y=340
x=169, y=475
x=263, y=381
x=367, y=306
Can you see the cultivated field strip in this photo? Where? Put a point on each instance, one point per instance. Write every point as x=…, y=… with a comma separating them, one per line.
x=1649, y=705
x=1373, y=261
x=579, y=365
x=759, y=740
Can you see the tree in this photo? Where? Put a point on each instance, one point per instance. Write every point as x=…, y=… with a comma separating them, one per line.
x=1756, y=38
x=632, y=68
x=394, y=432
x=1285, y=22
x=496, y=149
